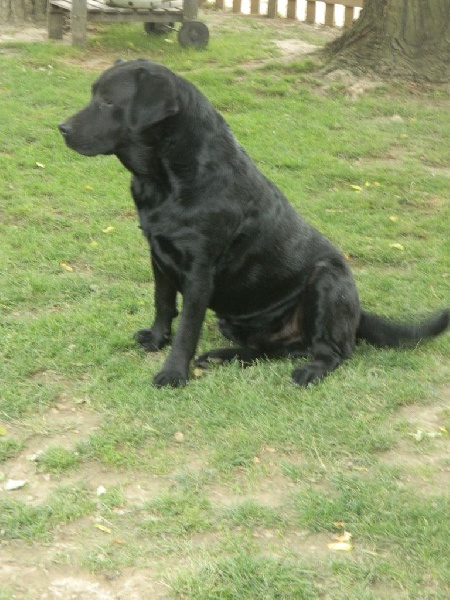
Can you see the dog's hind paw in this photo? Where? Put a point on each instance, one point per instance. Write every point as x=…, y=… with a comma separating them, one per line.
x=307, y=375
x=207, y=359
x=170, y=378
x=150, y=341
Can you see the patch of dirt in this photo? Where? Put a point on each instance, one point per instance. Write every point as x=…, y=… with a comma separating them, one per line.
x=10, y=33
x=353, y=85
x=40, y=581
x=291, y=49
x=422, y=454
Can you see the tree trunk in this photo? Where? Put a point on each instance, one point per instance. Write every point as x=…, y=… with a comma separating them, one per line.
x=408, y=39
x=21, y=11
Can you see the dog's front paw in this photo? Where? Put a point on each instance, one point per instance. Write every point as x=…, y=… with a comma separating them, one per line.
x=307, y=375
x=171, y=378
x=151, y=341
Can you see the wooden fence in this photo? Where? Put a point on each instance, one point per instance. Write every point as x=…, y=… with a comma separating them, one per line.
x=304, y=10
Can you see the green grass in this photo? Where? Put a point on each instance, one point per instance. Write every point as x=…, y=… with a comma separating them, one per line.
x=243, y=504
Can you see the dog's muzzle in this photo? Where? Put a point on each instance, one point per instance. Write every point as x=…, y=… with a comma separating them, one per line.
x=65, y=129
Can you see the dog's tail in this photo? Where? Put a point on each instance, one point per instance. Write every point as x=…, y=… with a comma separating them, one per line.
x=389, y=334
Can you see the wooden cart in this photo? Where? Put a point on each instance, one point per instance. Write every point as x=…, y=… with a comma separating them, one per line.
x=157, y=18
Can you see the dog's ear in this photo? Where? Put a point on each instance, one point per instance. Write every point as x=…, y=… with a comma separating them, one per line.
x=155, y=98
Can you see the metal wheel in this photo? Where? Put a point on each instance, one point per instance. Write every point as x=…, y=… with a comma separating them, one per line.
x=158, y=28
x=193, y=34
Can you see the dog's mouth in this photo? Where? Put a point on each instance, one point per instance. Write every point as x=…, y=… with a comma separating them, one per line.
x=74, y=141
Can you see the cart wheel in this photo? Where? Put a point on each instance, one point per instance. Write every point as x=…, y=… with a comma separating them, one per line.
x=158, y=28
x=193, y=34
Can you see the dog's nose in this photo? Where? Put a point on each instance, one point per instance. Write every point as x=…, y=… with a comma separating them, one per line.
x=65, y=129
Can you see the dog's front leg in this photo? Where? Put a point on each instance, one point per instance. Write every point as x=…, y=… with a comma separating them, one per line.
x=196, y=297
x=159, y=334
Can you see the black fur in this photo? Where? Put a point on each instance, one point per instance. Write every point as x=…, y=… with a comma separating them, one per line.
x=223, y=235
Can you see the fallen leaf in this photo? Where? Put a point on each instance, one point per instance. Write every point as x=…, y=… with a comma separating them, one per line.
x=66, y=267
x=179, y=437
x=40, y=165
x=102, y=527
x=88, y=187
x=198, y=372
x=343, y=537
x=101, y=490
x=340, y=546
x=3, y=430
x=14, y=484
x=397, y=246
x=108, y=229
x=357, y=188
x=393, y=218
x=339, y=524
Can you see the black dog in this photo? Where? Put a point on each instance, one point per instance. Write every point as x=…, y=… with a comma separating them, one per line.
x=224, y=236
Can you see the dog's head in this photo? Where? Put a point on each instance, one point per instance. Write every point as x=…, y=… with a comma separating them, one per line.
x=127, y=99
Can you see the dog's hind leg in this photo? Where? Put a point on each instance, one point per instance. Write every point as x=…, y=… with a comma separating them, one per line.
x=333, y=296
x=219, y=356
x=247, y=356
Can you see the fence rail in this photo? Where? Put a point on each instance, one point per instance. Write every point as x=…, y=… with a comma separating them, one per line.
x=310, y=11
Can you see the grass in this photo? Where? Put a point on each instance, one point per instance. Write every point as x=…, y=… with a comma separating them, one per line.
x=232, y=486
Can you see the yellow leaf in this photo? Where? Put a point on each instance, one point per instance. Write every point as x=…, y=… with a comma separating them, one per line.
x=108, y=229
x=376, y=183
x=88, y=187
x=66, y=267
x=102, y=527
x=345, y=536
x=339, y=524
x=393, y=218
x=397, y=246
x=340, y=546
x=357, y=188
x=198, y=372
x=3, y=430
x=40, y=165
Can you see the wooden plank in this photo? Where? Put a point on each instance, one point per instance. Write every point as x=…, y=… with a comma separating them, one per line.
x=190, y=9
x=348, y=16
x=254, y=7
x=236, y=6
x=329, y=15
x=55, y=24
x=78, y=22
x=349, y=3
x=147, y=17
x=291, y=12
x=310, y=12
x=62, y=4
x=272, y=9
